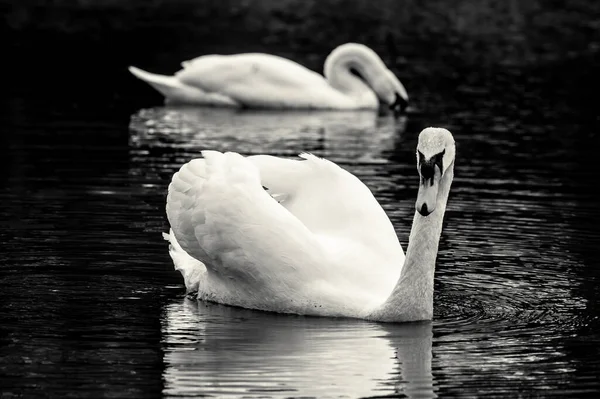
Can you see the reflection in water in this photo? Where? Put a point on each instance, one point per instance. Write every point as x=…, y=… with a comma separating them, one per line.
x=224, y=351
x=361, y=136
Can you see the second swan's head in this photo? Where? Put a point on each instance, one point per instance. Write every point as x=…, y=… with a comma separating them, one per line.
x=435, y=154
x=368, y=66
x=391, y=91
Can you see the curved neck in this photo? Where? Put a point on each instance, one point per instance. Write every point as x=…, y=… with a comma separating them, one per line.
x=412, y=297
x=364, y=61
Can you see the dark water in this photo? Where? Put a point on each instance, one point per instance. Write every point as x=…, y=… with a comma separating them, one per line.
x=90, y=305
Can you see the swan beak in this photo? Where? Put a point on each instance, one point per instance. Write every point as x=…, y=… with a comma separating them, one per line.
x=428, y=190
x=399, y=105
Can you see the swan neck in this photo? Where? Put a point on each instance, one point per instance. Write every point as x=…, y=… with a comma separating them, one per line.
x=364, y=61
x=412, y=297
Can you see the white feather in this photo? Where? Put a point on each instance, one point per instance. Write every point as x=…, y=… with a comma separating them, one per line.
x=256, y=80
x=191, y=269
x=327, y=249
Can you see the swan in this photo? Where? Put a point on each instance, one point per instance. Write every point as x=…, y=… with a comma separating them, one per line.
x=355, y=78
x=306, y=236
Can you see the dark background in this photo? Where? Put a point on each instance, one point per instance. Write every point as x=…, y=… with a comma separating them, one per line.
x=68, y=49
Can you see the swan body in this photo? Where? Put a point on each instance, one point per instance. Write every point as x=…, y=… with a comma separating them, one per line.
x=306, y=236
x=257, y=80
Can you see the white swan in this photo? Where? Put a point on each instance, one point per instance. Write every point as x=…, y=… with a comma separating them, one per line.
x=315, y=242
x=355, y=78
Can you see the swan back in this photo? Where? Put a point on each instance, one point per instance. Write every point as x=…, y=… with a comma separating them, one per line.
x=329, y=201
x=259, y=80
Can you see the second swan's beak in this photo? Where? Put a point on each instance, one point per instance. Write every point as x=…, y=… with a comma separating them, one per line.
x=428, y=189
x=399, y=105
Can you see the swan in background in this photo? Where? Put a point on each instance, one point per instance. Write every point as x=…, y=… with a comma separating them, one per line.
x=355, y=78
x=306, y=237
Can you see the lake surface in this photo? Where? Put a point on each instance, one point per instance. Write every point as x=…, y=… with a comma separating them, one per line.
x=90, y=305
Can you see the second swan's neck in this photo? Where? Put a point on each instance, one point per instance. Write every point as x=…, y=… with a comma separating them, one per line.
x=412, y=297
x=364, y=61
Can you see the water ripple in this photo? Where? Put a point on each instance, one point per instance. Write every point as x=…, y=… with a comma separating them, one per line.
x=509, y=288
x=89, y=292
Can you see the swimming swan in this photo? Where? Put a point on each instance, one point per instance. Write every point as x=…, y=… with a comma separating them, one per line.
x=355, y=78
x=306, y=237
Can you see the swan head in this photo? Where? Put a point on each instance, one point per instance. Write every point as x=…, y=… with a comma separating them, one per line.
x=435, y=154
x=364, y=63
x=391, y=92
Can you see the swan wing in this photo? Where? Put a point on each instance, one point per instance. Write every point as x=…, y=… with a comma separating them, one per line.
x=327, y=200
x=330, y=201
x=259, y=80
x=254, y=249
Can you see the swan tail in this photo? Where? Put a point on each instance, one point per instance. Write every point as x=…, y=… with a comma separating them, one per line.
x=191, y=269
x=177, y=92
x=168, y=86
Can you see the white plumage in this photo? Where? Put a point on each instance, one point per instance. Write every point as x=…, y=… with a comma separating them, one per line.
x=257, y=80
x=314, y=242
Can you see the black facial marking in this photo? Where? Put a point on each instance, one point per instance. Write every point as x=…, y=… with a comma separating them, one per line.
x=265, y=188
x=399, y=105
x=427, y=168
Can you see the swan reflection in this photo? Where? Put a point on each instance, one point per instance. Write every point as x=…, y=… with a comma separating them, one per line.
x=361, y=136
x=219, y=350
